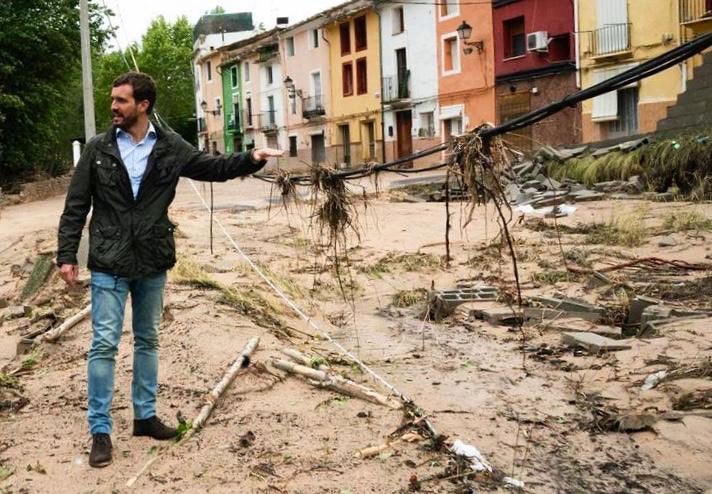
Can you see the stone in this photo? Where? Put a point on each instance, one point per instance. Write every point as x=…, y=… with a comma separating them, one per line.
x=599, y=280
x=634, y=185
x=571, y=152
x=637, y=305
x=667, y=241
x=611, y=186
x=17, y=311
x=654, y=312
x=586, y=195
x=634, y=422
x=634, y=144
x=592, y=342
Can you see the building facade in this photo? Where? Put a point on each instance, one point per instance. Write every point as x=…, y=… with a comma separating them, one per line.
x=306, y=96
x=355, y=127
x=232, y=107
x=409, y=78
x=465, y=66
x=615, y=35
x=535, y=65
x=211, y=33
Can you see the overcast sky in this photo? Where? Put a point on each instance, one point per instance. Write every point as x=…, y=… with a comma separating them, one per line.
x=133, y=16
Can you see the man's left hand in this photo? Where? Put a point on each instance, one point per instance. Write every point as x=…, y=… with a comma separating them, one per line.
x=266, y=153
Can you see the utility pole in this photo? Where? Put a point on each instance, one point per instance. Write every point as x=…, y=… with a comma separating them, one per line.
x=87, y=84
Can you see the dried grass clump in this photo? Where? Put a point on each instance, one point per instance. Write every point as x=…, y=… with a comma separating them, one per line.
x=402, y=262
x=629, y=231
x=406, y=298
x=681, y=221
x=187, y=272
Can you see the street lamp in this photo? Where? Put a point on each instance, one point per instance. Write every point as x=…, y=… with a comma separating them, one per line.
x=216, y=111
x=464, y=32
x=292, y=91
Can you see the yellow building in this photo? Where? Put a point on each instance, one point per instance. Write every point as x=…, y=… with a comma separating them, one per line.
x=355, y=125
x=613, y=36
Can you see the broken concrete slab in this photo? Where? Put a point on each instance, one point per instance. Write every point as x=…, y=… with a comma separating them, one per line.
x=634, y=144
x=572, y=307
x=568, y=153
x=17, y=311
x=594, y=343
x=610, y=186
x=586, y=195
x=499, y=316
x=656, y=325
x=637, y=306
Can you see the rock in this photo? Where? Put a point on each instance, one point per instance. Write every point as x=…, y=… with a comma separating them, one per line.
x=17, y=312
x=636, y=422
x=592, y=342
x=586, y=195
x=637, y=305
x=667, y=241
x=3, y=302
x=654, y=312
x=611, y=186
x=634, y=185
x=498, y=316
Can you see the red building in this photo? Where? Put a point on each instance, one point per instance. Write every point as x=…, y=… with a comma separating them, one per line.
x=535, y=64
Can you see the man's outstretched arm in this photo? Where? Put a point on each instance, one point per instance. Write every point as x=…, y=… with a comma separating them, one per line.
x=209, y=168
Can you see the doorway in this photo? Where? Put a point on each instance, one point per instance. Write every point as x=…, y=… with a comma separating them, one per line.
x=346, y=143
x=404, y=137
x=318, y=150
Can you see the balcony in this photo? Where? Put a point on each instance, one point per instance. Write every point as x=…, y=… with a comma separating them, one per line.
x=249, y=119
x=695, y=10
x=202, y=126
x=313, y=106
x=610, y=40
x=268, y=122
x=396, y=87
x=233, y=123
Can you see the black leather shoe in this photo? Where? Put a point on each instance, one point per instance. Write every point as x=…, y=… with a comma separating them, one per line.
x=154, y=428
x=100, y=455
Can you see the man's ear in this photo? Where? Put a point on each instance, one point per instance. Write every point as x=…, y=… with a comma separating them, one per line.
x=143, y=105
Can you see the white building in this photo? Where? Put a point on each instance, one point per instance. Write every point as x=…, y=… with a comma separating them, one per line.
x=410, y=78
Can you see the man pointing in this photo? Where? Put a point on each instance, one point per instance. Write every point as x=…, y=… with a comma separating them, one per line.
x=129, y=175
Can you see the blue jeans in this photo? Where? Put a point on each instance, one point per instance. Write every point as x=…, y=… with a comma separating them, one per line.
x=108, y=301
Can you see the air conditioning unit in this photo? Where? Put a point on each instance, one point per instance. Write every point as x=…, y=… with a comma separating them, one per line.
x=538, y=41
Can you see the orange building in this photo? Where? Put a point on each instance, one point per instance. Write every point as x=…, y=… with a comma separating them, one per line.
x=466, y=94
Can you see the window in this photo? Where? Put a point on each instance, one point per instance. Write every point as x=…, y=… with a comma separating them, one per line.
x=345, y=36
x=398, y=20
x=361, y=76
x=218, y=104
x=448, y=8
x=246, y=70
x=289, y=43
x=360, y=33
x=270, y=75
x=451, y=57
x=209, y=68
x=233, y=75
x=427, y=124
x=293, y=105
x=292, y=146
x=236, y=115
x=627, y=122
x=270, y=111
x=248, y=104
x=314, y=38
x=514, y=38
x=347, y=78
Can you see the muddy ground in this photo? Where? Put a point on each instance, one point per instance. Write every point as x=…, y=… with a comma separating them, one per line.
x=539, y=411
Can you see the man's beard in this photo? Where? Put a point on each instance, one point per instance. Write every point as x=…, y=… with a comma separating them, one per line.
x=127, y=121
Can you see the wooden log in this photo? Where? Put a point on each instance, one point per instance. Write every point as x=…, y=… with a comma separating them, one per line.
x=301, y=358
x=54, y=333
x=242, y=362
x=337, y=383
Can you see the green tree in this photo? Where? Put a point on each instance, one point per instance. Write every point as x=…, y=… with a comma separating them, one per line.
x=40, y=83
x=165, y=54
x=218, y=9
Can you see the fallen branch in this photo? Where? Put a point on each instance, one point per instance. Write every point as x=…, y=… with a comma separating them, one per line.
x=374, y=450
x=646, y=261
x=302, y=359
x=54, y=333
x=336, y=383
x=241, y=363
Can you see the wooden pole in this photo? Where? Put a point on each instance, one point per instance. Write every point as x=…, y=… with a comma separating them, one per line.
x=242, y=362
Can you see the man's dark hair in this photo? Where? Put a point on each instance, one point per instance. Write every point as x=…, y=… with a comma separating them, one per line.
x=144, y=87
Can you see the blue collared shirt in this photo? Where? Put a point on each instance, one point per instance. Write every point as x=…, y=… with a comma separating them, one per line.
x=135, y=155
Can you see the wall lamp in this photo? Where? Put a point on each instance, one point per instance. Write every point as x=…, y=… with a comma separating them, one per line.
x=204, y=107
x=292, y=91
x=464, y=32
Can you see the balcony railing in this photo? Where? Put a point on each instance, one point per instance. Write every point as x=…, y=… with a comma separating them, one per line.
x=313, y=106
x=397, y=87
x=613, y=38
x=202, y=126
x=695, y=10
x=268, y=121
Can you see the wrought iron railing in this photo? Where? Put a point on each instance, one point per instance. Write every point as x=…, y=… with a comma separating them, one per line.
x=313, y=106
x=268, y=121
x=612, y=38
x=397, y=87
x=693, y=10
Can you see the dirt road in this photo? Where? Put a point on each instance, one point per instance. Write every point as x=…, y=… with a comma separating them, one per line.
x=538, y=411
